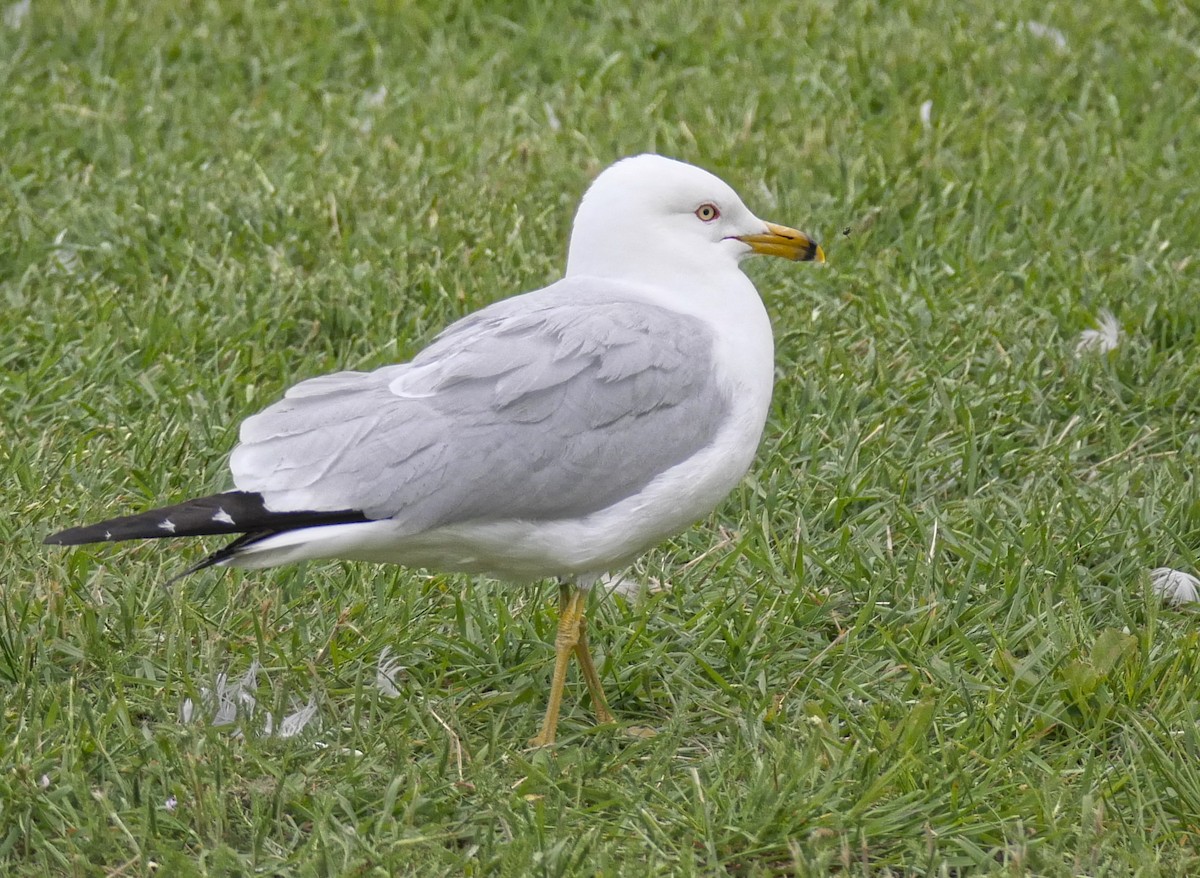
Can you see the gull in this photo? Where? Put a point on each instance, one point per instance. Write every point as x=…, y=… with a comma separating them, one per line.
x=555, y=434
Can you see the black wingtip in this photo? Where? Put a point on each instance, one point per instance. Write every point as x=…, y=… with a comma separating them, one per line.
x=230, y=513
x=125, y=528
x=223, y=554
x=69, y=537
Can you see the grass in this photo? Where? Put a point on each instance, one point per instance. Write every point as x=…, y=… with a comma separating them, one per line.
x=919, y=640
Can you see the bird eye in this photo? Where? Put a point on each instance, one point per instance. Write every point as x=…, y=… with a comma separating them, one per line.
x=707, y=213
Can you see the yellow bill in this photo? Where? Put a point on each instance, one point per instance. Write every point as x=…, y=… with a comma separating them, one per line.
x=785, y=242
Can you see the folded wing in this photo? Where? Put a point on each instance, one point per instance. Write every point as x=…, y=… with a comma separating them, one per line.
x=551, y=405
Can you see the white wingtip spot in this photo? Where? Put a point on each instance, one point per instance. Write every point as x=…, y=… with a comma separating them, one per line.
x=222, y=516
x=167, y=525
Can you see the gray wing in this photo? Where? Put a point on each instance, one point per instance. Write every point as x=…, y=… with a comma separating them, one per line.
x=549, y=405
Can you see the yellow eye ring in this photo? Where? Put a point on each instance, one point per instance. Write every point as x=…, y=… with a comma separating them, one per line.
x=706, y=212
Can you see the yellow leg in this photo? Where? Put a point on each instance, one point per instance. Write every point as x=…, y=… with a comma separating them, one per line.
x=564, y=644
x=599, y=702
x=571, y=638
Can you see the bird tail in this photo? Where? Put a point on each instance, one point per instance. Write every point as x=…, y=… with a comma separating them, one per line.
x=240, y=513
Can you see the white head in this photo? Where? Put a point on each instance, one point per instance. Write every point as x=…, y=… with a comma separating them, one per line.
x=648, y=216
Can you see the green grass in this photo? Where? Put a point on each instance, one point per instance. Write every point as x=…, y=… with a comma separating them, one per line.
x=919, y=640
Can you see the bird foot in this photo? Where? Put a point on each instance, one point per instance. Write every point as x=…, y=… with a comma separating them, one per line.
x=537, y=742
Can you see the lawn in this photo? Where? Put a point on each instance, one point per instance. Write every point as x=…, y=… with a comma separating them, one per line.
x=920, y=639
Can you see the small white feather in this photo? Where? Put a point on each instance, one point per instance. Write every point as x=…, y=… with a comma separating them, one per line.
x=1175, y=586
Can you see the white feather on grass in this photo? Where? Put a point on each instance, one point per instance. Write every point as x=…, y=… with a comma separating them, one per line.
x=66, y=257
x=1175, y=586
x=629, y=587
x=15, y=15
x=228, y=702
x=1104, y=338
x=385, y=673
x=926, y=114
x=1045, y=32
x=375, y=98
x=292, y=724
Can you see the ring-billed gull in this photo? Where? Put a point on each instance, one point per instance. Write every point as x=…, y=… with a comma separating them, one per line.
x=559, y=433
